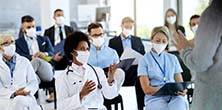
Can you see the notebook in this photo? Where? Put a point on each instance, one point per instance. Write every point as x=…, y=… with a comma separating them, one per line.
x=123, y=64
x=59, y=48
x=172, y=88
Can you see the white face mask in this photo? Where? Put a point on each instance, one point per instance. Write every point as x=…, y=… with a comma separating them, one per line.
x=159, y=47
x=31, y=32
x=60, y=20
x=83, y=56
x=127, y=32
x=98, y=42
x=9, y=50
x=171, y=20
x=194, y=28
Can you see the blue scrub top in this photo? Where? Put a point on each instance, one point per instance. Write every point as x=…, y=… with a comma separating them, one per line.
x=148, y=67
x=104, y=57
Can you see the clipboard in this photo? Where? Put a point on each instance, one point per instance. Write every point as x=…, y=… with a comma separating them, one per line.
x=172, y=88
x=126, y=63
x=123, y=64
x=129, y=53
x=59, y=48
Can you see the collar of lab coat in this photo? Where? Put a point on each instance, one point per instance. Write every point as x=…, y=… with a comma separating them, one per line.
x=4, y=66
x=75, y=67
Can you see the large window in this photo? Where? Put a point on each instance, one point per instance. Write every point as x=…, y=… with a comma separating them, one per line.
x=191, y=7
x=119, y=10
x=149, y=14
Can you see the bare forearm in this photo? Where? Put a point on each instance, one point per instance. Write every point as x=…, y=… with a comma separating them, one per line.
x=151, y=90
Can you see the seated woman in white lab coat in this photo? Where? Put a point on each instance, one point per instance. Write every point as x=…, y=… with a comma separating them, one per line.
x=18, y=82
x=83, y=86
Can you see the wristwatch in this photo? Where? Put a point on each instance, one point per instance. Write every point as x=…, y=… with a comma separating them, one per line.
x=111, y=82
x=13, y=95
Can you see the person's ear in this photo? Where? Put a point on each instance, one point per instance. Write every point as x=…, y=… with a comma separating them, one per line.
x=23, y=28
x=54, y=17
x=122, y=26
x=74, y=53
x=1, y=49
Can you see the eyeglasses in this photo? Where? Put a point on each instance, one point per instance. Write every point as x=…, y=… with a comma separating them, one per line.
x=97, y=35
x=7, y=43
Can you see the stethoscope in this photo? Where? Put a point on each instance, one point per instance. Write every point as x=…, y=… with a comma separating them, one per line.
x=97, y=77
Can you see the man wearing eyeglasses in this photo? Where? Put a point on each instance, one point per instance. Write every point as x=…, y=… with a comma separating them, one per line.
x=104, y=57
x=18, y=82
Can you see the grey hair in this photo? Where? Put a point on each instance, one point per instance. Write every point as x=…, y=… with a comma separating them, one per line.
x=4, y=37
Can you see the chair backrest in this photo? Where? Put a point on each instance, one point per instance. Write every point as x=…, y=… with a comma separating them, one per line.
x=116, y=101
x=139, y=95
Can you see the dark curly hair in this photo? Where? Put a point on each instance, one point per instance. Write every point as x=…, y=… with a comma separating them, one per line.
x=72, y=42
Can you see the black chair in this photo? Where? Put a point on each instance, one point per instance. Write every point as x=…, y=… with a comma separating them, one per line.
x=117, y=100
x=139, y=95
x=46, y=85
x=190, y=93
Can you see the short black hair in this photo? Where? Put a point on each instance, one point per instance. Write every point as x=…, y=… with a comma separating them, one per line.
x=93, y=26
x=27, y=18
x=57, y=10
x=72, y=41
x=193, y=17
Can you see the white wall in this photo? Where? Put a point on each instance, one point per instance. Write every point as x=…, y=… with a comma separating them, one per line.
x=170, y=4
x=47, y=10
x=12, y=11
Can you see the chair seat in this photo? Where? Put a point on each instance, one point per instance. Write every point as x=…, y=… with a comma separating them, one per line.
x=48, y=84
x=117, y=100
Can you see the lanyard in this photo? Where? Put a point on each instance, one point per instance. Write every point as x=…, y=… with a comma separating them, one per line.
x=163, y=70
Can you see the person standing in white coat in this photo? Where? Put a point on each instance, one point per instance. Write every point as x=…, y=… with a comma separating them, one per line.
x=18, y=82
x=82, y=86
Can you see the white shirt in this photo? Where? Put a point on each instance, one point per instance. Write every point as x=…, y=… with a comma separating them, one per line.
x=32, y=44
x=57, y=36
x=172, y=47
x=68, y=87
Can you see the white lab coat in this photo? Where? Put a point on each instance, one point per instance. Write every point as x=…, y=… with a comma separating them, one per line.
x=69, y=85
x=23, y=76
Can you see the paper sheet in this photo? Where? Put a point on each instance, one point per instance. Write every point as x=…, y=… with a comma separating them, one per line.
x=130, y=53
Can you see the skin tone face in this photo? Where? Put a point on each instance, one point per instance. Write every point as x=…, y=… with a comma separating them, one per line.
x=127, y=25
x=82, y=46
x=58, y=14
x=194, y=21
x=170, y=14
x=96, y=32
x=159, y=38
x=8, y=41
x=28, y=25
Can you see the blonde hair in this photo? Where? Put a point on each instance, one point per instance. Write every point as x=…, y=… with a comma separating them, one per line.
x=4, y=37
x=161, y=29
x=127, y=20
